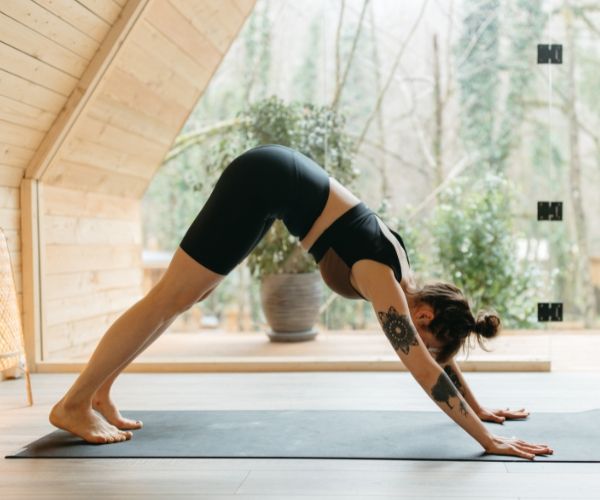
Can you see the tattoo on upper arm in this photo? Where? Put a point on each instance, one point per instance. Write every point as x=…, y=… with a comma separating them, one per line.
x=398, y=329
x=454, y=377
x=444, y=389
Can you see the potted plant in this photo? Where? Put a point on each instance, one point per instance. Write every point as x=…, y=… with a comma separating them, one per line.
x=291, y=288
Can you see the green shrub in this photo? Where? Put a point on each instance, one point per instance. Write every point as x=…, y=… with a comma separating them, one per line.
x=476, y=248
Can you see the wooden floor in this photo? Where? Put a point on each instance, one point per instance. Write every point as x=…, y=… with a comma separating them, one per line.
x=293, y=479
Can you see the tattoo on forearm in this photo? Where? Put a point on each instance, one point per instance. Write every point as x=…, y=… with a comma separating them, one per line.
x=398, y=329
x=444, y=389
x=454, y=377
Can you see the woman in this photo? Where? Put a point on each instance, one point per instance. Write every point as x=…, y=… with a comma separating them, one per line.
x=359, y=257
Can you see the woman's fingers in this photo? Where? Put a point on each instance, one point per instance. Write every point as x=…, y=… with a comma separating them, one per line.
x=522, y=410
x=513, y=413
x=500, y=415
x=529, y=456
x=520, y=441
x=522, y=453
x=513, y=446
x=541, y=449
x=535, y=448
x=525, y=452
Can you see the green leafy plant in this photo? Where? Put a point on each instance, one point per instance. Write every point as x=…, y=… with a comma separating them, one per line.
x=476, y=250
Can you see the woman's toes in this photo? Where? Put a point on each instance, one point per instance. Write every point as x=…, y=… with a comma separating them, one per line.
x=133, y=424
x=125, y=424
x=104, y=439
x=105, y=406
x=85, y=423
x=99, y=439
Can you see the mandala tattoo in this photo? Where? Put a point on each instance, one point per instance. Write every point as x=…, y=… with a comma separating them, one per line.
x=398, y=329
x=443, y=390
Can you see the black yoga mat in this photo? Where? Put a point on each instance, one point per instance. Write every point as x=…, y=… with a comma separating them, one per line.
x=393, y=435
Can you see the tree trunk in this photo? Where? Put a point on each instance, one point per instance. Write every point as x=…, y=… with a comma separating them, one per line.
x=338, y=34
x=386, y=189
x=438, y=126
x=584, y=271
x=390, y=77
x=340, y=84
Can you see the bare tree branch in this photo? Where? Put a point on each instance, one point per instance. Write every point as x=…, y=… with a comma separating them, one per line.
x=473, y=43
x=337, y=43
x=458, y=169
x=417, y=127
x=391, y=76
x=587, y=21
x=449, y=64
x=184, y=141
x=382, y=163
x=340, y=86
x=393, y=154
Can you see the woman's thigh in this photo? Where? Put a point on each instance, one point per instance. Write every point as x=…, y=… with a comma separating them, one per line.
x=208, y=279
x=243, y=204
x=185, y=282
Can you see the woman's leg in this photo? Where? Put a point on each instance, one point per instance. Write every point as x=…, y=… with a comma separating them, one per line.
x=184, y=282
x=102, y=401
x=239, y=211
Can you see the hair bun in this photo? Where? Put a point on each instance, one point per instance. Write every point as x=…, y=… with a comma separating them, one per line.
x=487, y=324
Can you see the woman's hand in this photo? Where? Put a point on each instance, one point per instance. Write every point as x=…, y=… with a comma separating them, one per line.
x=501, y=415
x=502, y=445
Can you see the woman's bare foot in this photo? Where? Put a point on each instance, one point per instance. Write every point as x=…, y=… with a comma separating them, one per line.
x=83, y=422
x=103, y=404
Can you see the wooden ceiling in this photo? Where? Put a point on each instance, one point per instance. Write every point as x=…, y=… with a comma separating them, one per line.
x=98, y=91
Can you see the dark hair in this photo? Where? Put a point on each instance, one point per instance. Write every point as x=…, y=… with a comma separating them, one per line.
x=453, y=320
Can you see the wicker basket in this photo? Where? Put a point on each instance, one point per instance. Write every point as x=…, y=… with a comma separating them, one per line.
x=11, y=331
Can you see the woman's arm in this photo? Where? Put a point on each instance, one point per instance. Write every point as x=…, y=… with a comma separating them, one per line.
x=453, y=371
x=401, y=333
x=498, y=415
x=378, y=284
x=390, y=305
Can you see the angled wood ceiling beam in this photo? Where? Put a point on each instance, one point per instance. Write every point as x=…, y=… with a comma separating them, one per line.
x=88, y=86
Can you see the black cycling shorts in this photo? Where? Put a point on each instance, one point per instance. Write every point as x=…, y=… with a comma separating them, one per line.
x=263, y=184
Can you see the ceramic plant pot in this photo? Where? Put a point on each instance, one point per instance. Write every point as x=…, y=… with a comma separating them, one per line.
x=291, y=305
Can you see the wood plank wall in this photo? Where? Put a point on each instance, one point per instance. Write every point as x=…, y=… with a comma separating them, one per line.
x=45, y=47
x=92, y=271
x=91, y=188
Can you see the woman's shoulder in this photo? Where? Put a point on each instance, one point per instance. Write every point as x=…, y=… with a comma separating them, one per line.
x=374, y=277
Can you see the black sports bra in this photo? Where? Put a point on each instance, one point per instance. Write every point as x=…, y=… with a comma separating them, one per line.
x=357, y=234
